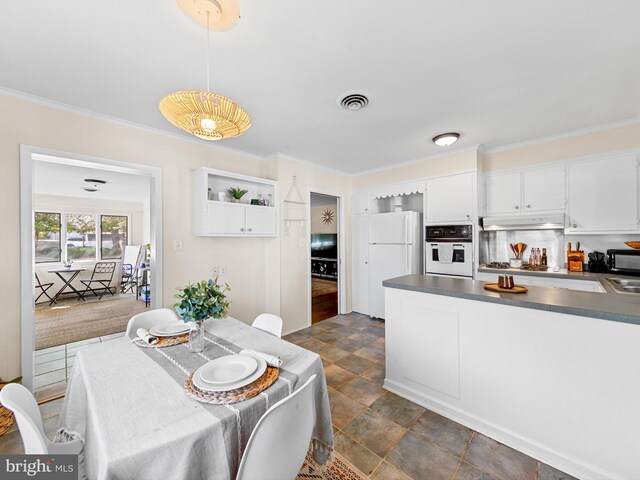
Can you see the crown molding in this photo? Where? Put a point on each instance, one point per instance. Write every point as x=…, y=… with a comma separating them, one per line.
x=560, y=136
x=118, y=121
x=417, y=160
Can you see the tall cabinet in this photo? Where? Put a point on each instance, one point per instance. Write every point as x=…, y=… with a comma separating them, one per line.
x=360, y=263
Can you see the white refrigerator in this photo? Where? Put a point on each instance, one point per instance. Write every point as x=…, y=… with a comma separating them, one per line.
x=395, y=249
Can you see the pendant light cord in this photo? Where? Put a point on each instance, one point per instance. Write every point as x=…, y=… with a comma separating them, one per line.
x=208, y=46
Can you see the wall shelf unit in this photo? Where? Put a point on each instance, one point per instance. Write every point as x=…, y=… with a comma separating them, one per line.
x=216, y=217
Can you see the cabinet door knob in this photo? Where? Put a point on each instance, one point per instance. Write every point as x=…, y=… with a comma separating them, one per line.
x=242, y=229
x=575, y=225
x=528, y=206
x=366, y=263
x=366, y=209
x=468, y=216
x=517, y=207
x=249, y=229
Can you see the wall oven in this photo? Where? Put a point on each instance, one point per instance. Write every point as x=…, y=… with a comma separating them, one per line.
x=449, y=250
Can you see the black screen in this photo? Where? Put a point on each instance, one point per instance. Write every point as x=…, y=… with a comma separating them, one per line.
x=324, y=245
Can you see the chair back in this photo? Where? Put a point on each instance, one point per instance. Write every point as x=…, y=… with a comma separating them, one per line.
x=38, y=284
x=21, y=402
x=103, y=271
x=150, y=319
x=278, y=445
x=269, y=323
x=132, y=255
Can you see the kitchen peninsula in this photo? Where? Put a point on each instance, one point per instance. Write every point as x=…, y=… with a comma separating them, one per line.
x=553, y=373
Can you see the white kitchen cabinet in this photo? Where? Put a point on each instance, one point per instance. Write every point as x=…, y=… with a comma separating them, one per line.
x=359, y=202
x=213, y=217
x=544, y=189
x=450, y=199
x=360, y=263
x=503, y=193
x=603, y=195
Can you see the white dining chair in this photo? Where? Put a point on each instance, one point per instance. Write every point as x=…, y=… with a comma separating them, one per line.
x=149, y=319
x=21, y=402
x=269, y=323
x=278, y=445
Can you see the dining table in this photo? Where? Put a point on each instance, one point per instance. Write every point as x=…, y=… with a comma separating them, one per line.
x=66, y=282
x=129, y=406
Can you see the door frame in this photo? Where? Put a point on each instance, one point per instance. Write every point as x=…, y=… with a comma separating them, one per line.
x=27, y=255
x=342, y=284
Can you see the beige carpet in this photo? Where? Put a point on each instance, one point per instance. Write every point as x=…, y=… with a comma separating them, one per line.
x=70, y=323
x=337, y=468
x=323, y=286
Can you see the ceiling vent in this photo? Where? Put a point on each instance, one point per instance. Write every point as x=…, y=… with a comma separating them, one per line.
x=353, y=101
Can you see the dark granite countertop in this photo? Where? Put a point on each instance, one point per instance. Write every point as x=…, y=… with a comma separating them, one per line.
x=607, y=306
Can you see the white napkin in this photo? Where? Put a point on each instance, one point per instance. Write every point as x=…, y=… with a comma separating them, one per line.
x=271, y=360
x=445, y=253
x=146, y=337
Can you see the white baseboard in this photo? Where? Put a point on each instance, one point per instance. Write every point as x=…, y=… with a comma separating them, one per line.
x=572, y=466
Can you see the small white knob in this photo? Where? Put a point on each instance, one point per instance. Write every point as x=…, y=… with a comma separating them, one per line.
x=468, y=216
x=517, y=207
x=528, y=206
x=250, y=229
x=242, y=229
x=575, y=225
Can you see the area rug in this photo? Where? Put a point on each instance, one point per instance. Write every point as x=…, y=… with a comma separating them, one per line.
x=336, y=468
x=322, y=286
x=70, y=323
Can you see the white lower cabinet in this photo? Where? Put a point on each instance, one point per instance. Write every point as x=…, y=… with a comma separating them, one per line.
x=529, y=280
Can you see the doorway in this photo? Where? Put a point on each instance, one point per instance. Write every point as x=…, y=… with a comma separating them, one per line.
x=91, y=259
x=324, y=246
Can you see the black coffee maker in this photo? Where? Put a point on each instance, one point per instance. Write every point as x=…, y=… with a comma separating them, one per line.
x=597, y=263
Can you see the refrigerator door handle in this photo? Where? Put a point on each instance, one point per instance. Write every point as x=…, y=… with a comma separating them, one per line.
x=408, y=259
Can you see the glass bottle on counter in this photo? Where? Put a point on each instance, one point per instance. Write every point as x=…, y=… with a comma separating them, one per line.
x=544, y=257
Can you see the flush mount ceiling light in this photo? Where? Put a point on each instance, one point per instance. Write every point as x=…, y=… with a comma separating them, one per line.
x=91, y=190
x=207, y=115
x=446, y=139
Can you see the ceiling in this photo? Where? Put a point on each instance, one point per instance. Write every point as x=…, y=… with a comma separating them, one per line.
x=51, y=178
x=497, y=71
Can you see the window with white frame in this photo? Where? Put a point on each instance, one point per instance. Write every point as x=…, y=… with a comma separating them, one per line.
x=79, y=236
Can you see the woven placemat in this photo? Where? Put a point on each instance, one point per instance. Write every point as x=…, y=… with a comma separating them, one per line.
x=6, y=416
x=163, y=341
x=233, y=396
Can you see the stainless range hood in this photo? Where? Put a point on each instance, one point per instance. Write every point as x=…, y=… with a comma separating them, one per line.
x=524, y=222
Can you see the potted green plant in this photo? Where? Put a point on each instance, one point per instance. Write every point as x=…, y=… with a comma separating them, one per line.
x=236, y=193
x=199, y=301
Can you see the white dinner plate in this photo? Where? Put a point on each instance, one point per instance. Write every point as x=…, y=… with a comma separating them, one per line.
x=229, y=369
x=169, y=329
x=207, y=387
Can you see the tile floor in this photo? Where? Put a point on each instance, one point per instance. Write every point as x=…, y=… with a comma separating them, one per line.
x=383, y=435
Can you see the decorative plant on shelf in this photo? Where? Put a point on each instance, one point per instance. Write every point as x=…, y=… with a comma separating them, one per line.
x=236, y=193
x=199, y=301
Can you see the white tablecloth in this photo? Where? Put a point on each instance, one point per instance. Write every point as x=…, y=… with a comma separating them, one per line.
x=129, y=406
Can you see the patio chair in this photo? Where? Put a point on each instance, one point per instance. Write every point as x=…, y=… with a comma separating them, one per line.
x=43, y=287
x=130, y=263
x=101, y=277
x=278, y=445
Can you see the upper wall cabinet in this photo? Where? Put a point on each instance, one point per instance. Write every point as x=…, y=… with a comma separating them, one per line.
x=450, y=199
x=528, y=191
x=216, y=215
x=603, y=195
x=359, y=202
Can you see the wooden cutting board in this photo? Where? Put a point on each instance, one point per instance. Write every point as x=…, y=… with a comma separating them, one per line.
x=496, y=288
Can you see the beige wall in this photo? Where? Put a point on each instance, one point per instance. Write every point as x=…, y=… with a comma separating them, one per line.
x=253, y=264
x=457, y=162
x=603, y=141
x=295, y=254
x=317, y=223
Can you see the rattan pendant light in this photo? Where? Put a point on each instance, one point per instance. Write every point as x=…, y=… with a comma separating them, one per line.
x=206, y=115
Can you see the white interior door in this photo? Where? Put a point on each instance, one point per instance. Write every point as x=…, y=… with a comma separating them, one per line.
x=360, y=263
